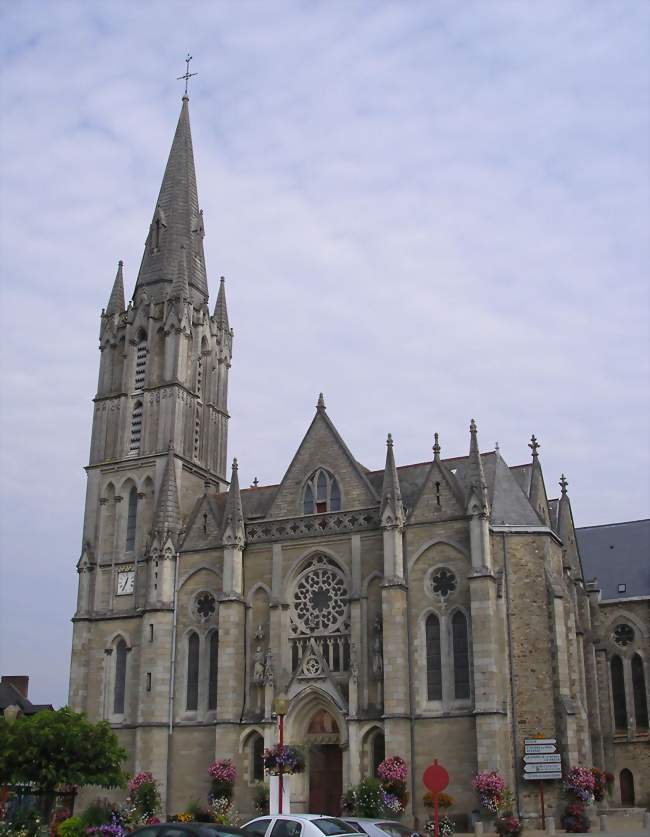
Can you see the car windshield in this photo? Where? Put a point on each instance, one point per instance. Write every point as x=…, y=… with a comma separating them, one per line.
x=332, y=826
x=395, y=829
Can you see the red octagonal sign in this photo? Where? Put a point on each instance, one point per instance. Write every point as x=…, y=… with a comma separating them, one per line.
x=435, y=777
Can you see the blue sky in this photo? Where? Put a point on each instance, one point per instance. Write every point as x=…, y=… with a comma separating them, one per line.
x=429, y=211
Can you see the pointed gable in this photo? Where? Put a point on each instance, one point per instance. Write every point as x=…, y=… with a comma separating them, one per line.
x=537, y=491
x=440, y=496
x=204, y=527
x=322, y=447
x=566, y=529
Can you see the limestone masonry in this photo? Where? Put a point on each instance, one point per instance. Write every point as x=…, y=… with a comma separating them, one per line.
x=429, y=610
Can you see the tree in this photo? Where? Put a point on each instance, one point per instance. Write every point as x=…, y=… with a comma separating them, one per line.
x=54, y=748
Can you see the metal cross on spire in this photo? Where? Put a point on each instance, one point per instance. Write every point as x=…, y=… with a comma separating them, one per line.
x=187, y=75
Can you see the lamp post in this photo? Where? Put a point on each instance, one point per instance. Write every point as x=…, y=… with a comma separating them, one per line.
x=280, y=708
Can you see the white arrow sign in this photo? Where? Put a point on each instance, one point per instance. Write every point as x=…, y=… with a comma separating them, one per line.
x=542, y=768
x=539, y=776
x=540, y=741
x=539, y=748
x=542, y=759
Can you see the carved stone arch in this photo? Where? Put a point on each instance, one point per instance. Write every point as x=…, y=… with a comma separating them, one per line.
x=303, y=559
x=116, y=636
x=368, y=738
x=367, y=581
x=451, y=542
x=198, y=569
x=245, y=737
x=304, y=706
x=259, y=585
x=624, y=616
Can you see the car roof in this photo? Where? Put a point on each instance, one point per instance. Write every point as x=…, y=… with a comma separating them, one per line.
x=299, y=817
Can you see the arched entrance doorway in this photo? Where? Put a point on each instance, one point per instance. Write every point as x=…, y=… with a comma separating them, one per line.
x=325, y=764
x=627, y=788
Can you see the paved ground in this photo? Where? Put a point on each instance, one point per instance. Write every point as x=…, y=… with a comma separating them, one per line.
x=617, y=826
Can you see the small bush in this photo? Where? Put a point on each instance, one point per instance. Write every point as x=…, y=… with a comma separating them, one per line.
x=72, y=827
x=98, y=812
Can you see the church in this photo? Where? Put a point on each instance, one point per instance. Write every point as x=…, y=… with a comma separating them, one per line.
x=431, y=610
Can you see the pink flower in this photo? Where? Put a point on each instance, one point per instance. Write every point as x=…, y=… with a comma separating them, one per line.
x=392, y=769
x=223, y=770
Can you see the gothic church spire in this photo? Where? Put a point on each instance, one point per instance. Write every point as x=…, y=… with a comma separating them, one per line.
x=221, y=309
x=116, y=300
x=176, y=231
x=168, y=512
x=392, y=510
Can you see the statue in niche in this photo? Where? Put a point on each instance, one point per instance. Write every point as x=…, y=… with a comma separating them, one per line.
x=268, y=668
x=354, y=663
x=377, y=649
x=258, y=667
x=259, y=633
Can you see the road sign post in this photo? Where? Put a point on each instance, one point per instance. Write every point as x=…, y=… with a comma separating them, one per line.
x=435, y=779
x=542, y=762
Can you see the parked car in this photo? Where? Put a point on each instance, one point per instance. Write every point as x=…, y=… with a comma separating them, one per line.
x=381, y=828
x=298, y=825
x=187, y=829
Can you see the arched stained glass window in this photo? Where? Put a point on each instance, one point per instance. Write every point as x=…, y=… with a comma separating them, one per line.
x=309, y=500
x=131, y=519
x=214, y=670
x=618, y=693
x=322, y=493
x=461, y=656
x=434, y=661
x=192, y=701
x=120, y=678
x=257, y=758
x=639, y=691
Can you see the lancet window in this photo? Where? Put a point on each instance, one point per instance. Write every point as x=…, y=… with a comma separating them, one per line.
x=193, y=650
x=213, y=668
x=461, y=656
x=131, y=519
x=140, y=361
x=639, y=692
x=322, y=493
x=136, y=428
x=434, y=658
x=618, y=693
x=320, y=619
x=119, y=688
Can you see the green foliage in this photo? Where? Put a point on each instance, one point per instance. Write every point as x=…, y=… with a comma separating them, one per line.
x=147, y=799
x=50, y=749
x=26, y=822
x=261, y=797
x=98, y=812
x=72, y=827
x=199, y=812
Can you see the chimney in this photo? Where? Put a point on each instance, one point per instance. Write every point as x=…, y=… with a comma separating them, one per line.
x=20, y=682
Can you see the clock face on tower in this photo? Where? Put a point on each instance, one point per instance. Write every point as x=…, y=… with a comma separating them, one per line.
x=125, y=582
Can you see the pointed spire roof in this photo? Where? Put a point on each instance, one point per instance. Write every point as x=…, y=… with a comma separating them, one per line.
x=391, y=509
x=476, y=476
x=221, y=309
x=168, y=512
x=177, y=221
x=234, y=532
x=180, y=286
x=116, y=300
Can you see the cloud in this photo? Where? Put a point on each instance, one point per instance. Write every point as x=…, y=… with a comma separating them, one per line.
x=429, y=212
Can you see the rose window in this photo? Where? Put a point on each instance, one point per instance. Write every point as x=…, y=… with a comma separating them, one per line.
x=320, y=599
x=442, y=583
x=204, y=606
x=623, y=635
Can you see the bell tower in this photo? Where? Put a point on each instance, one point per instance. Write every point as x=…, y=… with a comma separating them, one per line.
x=160, y=418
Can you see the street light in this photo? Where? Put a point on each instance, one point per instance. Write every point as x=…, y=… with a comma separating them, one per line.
x=280, y=708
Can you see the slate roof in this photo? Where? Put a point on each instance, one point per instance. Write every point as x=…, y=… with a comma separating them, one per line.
x=178, y=209
x=10, y=696
x=617, y=553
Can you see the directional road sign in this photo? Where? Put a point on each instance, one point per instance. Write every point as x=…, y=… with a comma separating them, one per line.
x=542, y=759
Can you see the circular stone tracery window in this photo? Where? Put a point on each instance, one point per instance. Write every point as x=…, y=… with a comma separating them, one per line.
x=204, y=606
x=442, y=583
x=320, y=599
x=623, y=635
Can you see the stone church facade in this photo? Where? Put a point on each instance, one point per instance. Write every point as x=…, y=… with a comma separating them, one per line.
x=428, y=610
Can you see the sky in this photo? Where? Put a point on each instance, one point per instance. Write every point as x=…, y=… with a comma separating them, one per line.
x=428, y=211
